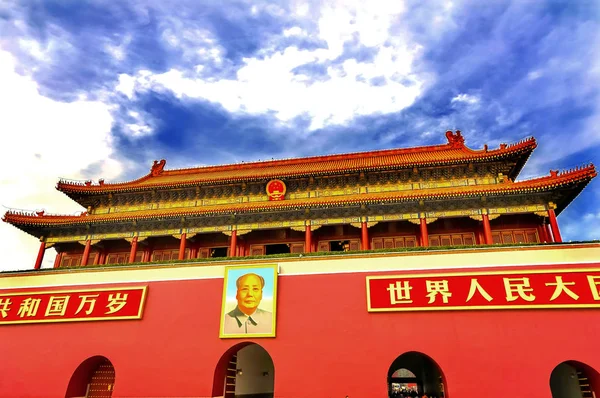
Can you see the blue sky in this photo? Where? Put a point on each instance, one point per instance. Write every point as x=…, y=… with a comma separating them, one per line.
x=100, y=89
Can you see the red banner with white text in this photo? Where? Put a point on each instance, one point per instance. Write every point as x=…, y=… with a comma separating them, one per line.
x=72, y=305
x=480, y=290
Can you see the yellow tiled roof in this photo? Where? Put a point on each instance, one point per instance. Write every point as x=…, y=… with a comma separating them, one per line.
x=455, y=152
x=553, y=181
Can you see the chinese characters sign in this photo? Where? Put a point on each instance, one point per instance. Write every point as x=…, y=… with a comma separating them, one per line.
x=72, y=305
x=480, y=291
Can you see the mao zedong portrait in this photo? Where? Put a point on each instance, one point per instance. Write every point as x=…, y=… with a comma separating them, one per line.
x=247, y=318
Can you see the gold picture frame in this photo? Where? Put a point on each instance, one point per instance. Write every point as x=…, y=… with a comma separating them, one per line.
x=249, y=303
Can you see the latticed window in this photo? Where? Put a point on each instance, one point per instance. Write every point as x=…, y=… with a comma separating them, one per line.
x=457, y=239
x=393, y=242
x=515, y=236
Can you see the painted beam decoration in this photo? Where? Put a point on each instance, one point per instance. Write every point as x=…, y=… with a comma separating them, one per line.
x=528, y=289
x=72, y=305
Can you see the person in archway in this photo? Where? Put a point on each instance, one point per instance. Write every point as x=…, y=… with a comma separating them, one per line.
x=247, y=318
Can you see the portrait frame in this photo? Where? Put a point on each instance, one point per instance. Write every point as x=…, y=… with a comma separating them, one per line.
x=267, y=305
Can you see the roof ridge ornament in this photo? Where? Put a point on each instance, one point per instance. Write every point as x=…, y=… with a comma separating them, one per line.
x=158, y=167
x=456, y=140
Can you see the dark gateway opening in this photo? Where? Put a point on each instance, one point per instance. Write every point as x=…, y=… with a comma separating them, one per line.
x=218, y=252
x=277, y=249
x=339, y=246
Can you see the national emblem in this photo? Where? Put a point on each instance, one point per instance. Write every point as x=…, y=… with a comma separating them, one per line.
x=276, y=190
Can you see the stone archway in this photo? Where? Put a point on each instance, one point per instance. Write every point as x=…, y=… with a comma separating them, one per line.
x=415, y=373
x=93, y=378
x=246, y=369
x=572, y=379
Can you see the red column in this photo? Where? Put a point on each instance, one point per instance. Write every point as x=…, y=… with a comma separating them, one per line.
x=40, y=256
x=182, y=246
x=233, y=245
x=480, y=237
x=58, y=259
x=102, y=257
x=364, y=235
x=307, y=239
x=554, y=226
x=542, y=233
x=86, y=253
x=487, y=230
x=424, y=234
x=134, y=244
x=549, y=233
x=194, y=251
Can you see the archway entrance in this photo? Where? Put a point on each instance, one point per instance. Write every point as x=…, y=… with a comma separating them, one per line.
x=245, y=370
x=94, y=378
x=414, y=374
x=573, y=379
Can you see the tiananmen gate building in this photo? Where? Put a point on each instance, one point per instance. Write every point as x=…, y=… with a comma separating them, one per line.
x=428, y=270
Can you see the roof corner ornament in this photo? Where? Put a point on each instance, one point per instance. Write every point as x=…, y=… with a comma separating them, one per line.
x=456, y=140
x=553, y=173
x=40, y=213
x=158, y=167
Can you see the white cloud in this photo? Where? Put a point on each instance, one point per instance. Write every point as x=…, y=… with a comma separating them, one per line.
x=118, y=52
x=294, y=31
x=469, y=99
x=126, y=85
x=268, y=84
x=42, y=140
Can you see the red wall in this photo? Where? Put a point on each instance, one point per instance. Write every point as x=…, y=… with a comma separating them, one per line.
x=327, y=345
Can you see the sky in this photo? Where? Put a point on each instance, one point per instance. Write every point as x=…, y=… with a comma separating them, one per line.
x=100, y=89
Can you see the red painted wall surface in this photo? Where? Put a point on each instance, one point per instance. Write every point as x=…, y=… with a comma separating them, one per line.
x=327, y=345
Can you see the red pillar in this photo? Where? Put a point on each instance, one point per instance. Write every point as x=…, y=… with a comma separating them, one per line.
x=58, y=259
x=542, y=233
x=194, y=251
x=240, y=246
x=487, y=230
x=233, y=245
x=307, y=239
x=40, y=256
x=102, y=257
x=134, y=244
x=424, y=234
x=145, y=255
x=364, y=235
x=480, y=237
x=554, y=226
x=549, y=233
x=182, y=246
x=86, y=253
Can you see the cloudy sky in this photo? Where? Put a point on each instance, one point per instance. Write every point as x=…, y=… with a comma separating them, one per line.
x=100, y=89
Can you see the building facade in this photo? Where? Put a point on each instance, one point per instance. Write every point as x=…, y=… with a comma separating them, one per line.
x=427, y=269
